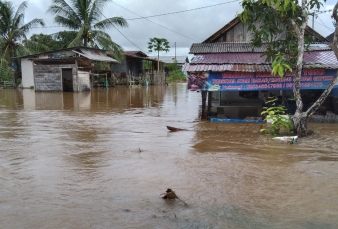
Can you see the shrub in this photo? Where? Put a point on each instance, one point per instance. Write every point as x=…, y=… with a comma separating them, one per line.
x=275, y=114
x=6, y=73
x=177, y=76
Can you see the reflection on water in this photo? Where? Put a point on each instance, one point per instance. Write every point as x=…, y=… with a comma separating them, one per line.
x=100, y=159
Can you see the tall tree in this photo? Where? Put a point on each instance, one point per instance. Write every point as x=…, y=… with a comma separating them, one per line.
x=268, y=19
x=84, y=16
x=13, y=29
x=158, y=45
x=47, y=42
x=40, y=43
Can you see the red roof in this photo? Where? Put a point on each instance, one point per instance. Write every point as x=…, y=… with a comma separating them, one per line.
x=251, y=62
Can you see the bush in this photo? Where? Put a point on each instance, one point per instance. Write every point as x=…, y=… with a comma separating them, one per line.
x=177, y=76
x=275, y=114
x=6, y=73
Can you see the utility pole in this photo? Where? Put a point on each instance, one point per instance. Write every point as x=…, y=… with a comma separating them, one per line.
x=315, y=13
x=175, y=50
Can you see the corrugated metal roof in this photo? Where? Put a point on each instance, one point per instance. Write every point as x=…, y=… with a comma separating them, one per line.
x=227, y=67
x=229, y=58
x=95, y=55
x=135, y=53
x=225, y=47
x=171, y=59
x=251, y=62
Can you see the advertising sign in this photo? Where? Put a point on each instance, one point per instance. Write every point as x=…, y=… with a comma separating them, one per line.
x=256, y=81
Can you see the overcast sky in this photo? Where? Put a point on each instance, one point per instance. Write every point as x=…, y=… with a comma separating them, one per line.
x=184, y=28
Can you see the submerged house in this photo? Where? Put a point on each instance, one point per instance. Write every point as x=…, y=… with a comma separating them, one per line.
x=136, y=66
x=68, y=69
x=238, y=81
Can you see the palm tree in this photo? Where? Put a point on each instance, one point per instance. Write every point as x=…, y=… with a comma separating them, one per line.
x=84, y=16
x=13, y=30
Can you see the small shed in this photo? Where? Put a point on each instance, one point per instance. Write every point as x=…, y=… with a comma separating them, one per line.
x=66, y=69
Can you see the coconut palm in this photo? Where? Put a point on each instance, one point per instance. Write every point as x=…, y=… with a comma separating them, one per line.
x=13, y=29
x=84, y=16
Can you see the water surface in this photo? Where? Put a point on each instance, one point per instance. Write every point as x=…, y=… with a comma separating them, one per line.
x=101, y=159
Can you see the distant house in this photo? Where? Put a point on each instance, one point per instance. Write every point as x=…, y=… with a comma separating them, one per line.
x=133, y=64
x=238, y=79
x=181, y=60
x=66, y=69
x=330, y=37
x=170, y=59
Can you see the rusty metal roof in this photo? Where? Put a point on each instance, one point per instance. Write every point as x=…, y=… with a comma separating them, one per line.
x=225, y=47
x=135, y=53
x=251, y=62
x=96, y=55
x=229, y=58
x=227, y=67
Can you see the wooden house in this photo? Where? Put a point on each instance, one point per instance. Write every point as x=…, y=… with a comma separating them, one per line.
x=136, y=66
x=238, y=80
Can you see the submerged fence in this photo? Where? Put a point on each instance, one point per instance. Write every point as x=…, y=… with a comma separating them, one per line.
x=149, y=78
x=6, y=84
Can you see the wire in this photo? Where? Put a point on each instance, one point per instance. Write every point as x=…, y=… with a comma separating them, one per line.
x=158, y=15
x=129, y=39
x=332, y=30
x=156, y=23
x=176, y=12
x=320, y=12
x=124, y=35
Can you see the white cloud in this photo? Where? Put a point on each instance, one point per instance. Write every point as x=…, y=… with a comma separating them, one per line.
x=196, y=24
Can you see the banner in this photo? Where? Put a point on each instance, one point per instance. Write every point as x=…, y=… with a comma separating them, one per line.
x=256, y=81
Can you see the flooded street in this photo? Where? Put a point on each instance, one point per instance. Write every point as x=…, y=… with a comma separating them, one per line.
x=101, y=159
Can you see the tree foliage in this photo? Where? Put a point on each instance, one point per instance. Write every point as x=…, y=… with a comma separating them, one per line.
x=84, y=17
x=13, y=30
x=276, y=114
x=177, y=76
x=47, y=42
x=6, y=73
x=277, y=24
x=158, y=45
x=280, y=25
x=175, y=73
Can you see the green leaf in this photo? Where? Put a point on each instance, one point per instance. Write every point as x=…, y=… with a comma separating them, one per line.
x=294, y=6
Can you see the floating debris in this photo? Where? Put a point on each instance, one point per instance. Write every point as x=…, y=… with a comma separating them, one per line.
x=288, y=139
x=171, y=195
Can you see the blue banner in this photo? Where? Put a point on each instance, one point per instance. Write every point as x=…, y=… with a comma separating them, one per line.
x=256, y=81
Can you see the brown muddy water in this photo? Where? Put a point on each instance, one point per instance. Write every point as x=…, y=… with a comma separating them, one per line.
x=101, y=159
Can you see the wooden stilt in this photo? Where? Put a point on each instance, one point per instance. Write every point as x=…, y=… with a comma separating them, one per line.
x=204, y=100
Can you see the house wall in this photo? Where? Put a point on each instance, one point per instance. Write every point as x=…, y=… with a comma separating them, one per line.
x=130, y=67
x=118, y=68
x=82, y=83
x=134, y=67
x=27, y=73
x=235, y=106
x=240, y=33
x=237, y=33
x=57, y=54
x=49, y=78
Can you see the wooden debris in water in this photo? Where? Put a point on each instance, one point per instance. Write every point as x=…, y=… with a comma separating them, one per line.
x=171, y=195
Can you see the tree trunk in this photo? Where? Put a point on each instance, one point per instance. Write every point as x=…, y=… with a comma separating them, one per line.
x=204, y=100
x=300, y=123
x=300, y=118
x=158, y=62
x=209, y=103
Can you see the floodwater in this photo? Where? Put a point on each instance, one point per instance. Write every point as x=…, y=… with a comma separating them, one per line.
x=101, y=159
